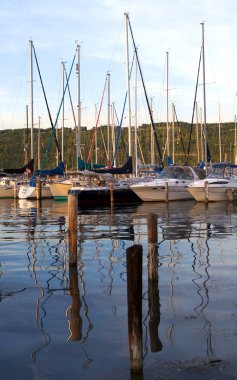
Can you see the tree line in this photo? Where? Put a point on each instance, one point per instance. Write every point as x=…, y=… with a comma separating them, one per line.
x=15, y=145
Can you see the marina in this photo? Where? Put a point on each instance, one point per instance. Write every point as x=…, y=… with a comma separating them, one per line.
x=60, y=320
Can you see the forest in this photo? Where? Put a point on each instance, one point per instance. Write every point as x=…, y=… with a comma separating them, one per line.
x=15, y=145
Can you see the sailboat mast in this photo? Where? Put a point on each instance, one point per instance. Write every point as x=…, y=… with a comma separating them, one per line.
x=78, y=70
x=96, y=142
x=63, y=118
x=39, y=157
x=108, y=119
x=152, y=137
x=135, y=123
x=147, y=100
x=235, y=159
x=31, y=99
x=197, y=133
x=27, y=137
x=173, y=136
x=220, y=133
x=167, y=104
x=128, y=88
x=204, y=97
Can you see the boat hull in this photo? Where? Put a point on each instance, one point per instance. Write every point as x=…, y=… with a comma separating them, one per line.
x=60, y=190
x=212, y=192
x=153, y=192
x=29, y=192
x=7, y=192
x=104, y=195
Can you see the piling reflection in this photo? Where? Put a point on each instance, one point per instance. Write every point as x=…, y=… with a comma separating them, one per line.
x=153, y=290
x=75, y=321
x=85, y=307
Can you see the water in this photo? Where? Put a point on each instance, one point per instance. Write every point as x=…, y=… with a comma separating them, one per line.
x=56, y=323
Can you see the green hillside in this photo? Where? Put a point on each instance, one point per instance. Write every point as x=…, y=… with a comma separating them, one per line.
x=13, y=143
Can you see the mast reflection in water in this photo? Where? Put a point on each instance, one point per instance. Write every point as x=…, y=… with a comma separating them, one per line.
x=59, y=321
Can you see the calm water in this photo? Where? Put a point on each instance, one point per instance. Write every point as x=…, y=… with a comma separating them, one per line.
x=48, y=333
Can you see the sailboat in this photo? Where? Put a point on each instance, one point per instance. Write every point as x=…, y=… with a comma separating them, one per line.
x=10, y=179
x=60, y=187
x=120, y=188
x=28, y=190
x=221, y=183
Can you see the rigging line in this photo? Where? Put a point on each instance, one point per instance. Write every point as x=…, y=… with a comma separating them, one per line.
x=97, y=121
x=121, y=120
x=194, y=102
x=47, y=105
x=103, y=141
x=70, y=97
x=180, y=134
x=147, y=100
x=55, y=123
x=141, y=152
x=15, y=94
x=119, y=129
x=123, y=142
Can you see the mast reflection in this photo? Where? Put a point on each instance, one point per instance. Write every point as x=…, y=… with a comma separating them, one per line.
x=201, y=265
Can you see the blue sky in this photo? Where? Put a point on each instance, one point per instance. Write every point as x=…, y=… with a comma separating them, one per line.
x=98, y=26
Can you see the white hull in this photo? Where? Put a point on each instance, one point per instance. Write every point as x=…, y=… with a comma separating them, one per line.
x=29, y=192
x=212, y=191
x=170, y=185
x=154, y=192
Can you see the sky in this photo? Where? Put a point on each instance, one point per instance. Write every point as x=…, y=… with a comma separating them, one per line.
x=168, y=37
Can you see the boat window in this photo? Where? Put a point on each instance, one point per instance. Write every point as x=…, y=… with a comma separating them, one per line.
x=179, y=173
x=188, y=173
x=217, y=172
x=167, y=172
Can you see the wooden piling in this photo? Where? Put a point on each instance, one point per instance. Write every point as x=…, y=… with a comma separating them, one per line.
x=38, y=189
x=166, y=191
x=206, y=191
x=152, y=246
x=72, y=227
x=230, y=194
x=111, y=192
x=134, y=299
x=15, y=190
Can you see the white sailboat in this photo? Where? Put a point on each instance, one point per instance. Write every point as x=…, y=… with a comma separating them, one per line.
x=28, y=189
x=59, y=188
x=221, y=183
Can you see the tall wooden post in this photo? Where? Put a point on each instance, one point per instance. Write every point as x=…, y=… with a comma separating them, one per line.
x=15, y=190
x=152, y=244
x=38, y=189
x=206, y=191
x=111, y=186
x=153, y=290
x=134, y=298
x=72, y=227
x=166, y=192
